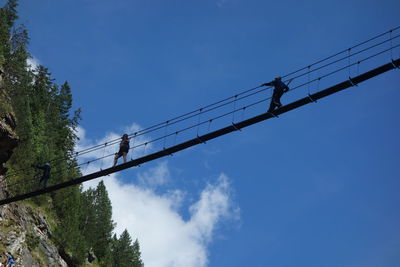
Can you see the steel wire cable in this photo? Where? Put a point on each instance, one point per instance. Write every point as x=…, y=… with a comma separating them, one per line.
x=143, y=131
x=201, y=110
x=220, y=116
x=204, y=108
x=219, y=104
x=347, y=57
x=343, y=51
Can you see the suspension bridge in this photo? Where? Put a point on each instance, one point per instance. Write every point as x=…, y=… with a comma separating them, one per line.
x=343, y=70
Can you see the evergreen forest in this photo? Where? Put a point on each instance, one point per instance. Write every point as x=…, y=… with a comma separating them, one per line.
x=46, y=126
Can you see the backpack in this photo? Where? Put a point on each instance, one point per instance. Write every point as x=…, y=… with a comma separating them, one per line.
x=10, y=257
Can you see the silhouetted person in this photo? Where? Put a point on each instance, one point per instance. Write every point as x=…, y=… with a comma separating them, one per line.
x=123, y=149
x=279, y=89
x=46, y=174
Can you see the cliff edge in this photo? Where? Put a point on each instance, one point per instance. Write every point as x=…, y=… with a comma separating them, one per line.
x=24, y=230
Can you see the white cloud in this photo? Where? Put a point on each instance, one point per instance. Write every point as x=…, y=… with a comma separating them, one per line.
x=166, y=239
x=214, y=203
x=32, y=63
x=156, y=176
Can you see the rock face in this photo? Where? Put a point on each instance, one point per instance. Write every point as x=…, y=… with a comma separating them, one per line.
x=8, y=138
x=24, y=231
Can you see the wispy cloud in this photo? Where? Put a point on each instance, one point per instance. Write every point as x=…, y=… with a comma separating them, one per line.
x=32, y=63
x=221, y=3
x=156, y=176
x=166, y=238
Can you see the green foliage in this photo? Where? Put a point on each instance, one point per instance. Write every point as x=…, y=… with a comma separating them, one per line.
x=97, y=222
x=8, y=15
x=126, y=254
x=46, y=127
x=32, y=241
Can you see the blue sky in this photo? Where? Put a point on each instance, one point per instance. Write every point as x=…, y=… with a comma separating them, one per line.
x=316, y=187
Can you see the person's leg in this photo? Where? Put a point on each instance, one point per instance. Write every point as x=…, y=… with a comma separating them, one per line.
x=273, y=102
x=271, y=106
x=124, y=156
x=41, y=181
x=116, y=159
x=277, y=98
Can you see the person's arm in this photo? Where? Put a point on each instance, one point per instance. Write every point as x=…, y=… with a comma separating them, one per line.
x=286, y=88
x=267, y=84
x=40, y=167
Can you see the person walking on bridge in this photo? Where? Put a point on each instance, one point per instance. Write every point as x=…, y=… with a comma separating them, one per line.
x=123, y=149
x=46, y=174
x=279, y=89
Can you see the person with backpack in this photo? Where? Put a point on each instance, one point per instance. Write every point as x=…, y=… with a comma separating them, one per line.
x=10, y=262
x=123, y=149
x=279, y=89
x=46, y=174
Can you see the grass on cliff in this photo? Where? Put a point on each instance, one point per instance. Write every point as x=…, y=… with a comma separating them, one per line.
x=5, y=106
x=46, y=210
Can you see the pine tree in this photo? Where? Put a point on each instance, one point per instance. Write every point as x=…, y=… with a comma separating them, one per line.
x=10, y=9
x=65, y=130
x=17, y=81
x=46, y=126
x=103, y=224
x=124, y=253
x=8, y=15
x=137, y=255
x=67, y=233
x=88, y=218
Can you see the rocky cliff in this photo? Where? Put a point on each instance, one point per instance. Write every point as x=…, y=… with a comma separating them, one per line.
x=8, y=138
x=24, y=231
